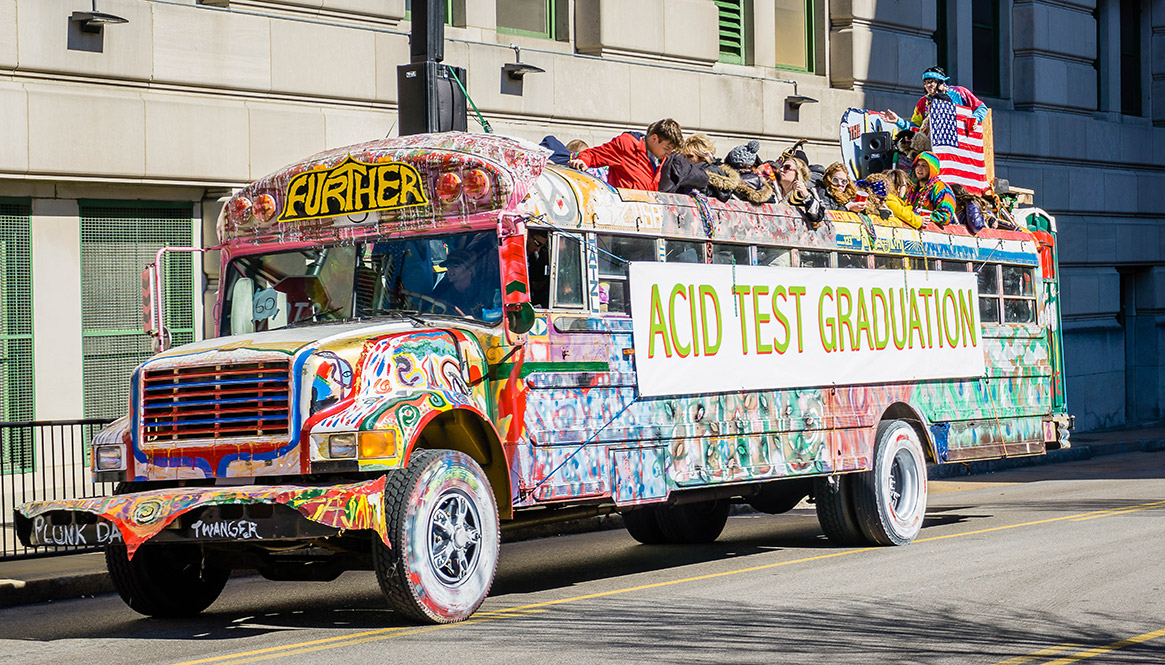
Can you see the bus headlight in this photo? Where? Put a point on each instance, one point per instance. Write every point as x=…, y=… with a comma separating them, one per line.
x=342, y=445
x=110, y=458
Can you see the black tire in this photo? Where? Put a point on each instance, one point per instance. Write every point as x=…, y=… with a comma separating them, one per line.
x=781, y=496
x=693, y=523
x=835, y=511
x=643, y=525
x=441, y=499
x=165, y=580
x=890, y=499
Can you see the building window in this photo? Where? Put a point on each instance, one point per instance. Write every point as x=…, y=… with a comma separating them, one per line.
x=118, y=240
x=795, y=32
x=16, y=369
x=1130, y=57
x=731, y=30
x=985, y=47
x=533, y=18
x=942, y=33
x=448, y=11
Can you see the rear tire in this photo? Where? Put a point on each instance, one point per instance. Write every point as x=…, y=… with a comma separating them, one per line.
x=443, y=525
x=835, y=511
x=643, y=525
x=683, y=524
x=890, y=499
x=165, y=580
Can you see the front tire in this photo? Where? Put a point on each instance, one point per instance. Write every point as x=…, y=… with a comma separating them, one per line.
x=890, y=499
x=443, y=525
x=165, y=580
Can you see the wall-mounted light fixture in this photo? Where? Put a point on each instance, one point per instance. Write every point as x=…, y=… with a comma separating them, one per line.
x=93, y=21
x=516, y=70
x=795, y=101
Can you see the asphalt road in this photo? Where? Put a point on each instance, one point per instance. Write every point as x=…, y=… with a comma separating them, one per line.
x=1053, y=564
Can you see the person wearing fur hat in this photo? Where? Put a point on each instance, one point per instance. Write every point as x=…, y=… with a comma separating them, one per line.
x=837, y=191
x=936, y=83
x=793, y=189
x=740, y=165
x=929, y=192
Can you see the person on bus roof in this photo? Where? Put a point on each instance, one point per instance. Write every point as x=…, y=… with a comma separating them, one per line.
x=743, y=161
x=633, y=159
x=936, y=84
x=837, y=191
x=792, y=185
x=929, y=192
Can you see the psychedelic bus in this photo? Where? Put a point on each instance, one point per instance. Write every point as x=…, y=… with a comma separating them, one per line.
x=426, y=341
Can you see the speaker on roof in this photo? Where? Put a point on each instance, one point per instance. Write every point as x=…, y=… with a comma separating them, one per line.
x=875, y=153
x=430, y=97
x=876, y=143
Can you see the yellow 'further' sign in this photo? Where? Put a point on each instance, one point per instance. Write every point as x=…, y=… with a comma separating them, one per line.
x=352, y=187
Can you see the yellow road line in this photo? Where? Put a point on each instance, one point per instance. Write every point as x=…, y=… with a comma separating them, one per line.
x=1049, y=651
x=1122, y=511
x=522, y=610
x=1089, y=653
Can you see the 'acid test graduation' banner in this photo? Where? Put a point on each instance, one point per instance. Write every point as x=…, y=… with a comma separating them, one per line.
x=702, y=328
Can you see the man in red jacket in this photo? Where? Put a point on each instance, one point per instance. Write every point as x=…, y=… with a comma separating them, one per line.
x=632, y=159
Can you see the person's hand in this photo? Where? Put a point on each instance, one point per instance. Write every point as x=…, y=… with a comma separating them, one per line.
x=802, y=189
x=854, y=206
x=890, y=115
x=577, y=164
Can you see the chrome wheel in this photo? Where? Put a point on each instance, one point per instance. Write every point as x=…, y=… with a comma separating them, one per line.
x=454, y=538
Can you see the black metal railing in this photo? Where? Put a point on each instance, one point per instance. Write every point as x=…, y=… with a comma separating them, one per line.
x=43, y=460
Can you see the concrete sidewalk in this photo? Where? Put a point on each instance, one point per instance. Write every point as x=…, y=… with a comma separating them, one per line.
x=24, y=581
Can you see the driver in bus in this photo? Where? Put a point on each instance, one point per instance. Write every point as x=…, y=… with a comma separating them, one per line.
x=459, y=289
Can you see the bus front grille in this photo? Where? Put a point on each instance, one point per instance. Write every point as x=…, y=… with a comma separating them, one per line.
x=216, y=401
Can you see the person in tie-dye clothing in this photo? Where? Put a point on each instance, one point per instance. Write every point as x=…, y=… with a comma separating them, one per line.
x=929, y=192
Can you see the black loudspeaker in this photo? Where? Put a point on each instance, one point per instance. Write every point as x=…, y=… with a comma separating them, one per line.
x=876, y=143
x=875, y=153
x=429, y=99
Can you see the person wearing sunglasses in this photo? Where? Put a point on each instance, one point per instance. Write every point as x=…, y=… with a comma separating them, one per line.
x=837, y=191
x=792, y=185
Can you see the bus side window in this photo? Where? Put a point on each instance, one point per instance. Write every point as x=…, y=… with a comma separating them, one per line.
x=614, y=253
x=808, y=259
x=989, y=293
x=1019, y=295
x=953, y=266
x=774, y=256
x=888, y=262
x=916, y=263
x=684, y=251
x=730, y=254
x=851, y=260
x=568, y=272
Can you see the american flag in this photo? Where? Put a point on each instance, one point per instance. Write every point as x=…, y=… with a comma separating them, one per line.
x=958, y=142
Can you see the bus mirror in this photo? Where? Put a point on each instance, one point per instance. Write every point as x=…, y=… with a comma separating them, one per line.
x=149, y=321
x=520, y=317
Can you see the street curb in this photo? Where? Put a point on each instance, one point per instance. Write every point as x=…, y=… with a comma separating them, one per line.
x=22, y=592
x=25, y=592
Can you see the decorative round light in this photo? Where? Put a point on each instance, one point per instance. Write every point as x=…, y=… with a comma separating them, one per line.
x=449, y=187
x=240, y=208
x=264, y=207
x=477, y=184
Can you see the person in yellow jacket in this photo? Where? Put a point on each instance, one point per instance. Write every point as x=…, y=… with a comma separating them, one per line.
x=897, y=183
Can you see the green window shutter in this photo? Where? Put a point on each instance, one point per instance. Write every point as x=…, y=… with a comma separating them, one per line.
x=731, y=30
x=16, y=369
x=118, y=240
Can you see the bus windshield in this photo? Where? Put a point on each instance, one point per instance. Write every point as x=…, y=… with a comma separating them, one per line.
x=455, y=275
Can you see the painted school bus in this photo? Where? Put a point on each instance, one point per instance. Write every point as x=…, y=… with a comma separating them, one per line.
x=425, y=340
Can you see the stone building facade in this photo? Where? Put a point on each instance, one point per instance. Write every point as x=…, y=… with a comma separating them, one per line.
x=117, y=138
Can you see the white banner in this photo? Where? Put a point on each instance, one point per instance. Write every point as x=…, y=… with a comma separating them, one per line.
x=716, y=328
